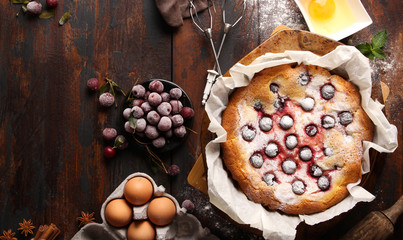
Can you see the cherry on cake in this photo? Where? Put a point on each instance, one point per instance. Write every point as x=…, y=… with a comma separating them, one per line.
x=295, y=138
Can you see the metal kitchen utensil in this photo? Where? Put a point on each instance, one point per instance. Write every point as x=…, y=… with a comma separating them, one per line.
x=207, y=30
x=212, y=74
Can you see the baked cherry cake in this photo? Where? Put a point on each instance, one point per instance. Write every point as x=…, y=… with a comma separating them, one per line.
x=295, y=138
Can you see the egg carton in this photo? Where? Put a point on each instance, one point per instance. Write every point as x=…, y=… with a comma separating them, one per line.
x=171, y=231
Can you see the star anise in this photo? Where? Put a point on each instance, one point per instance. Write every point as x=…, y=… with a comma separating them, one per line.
x=26, y=227
x=9, y=235
x=86, y=218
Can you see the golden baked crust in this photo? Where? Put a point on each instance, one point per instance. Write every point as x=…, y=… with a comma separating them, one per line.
x=342, y=141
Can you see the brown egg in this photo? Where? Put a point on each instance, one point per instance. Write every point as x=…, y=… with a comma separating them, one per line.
x=161, y=211
x=140, y=230
x=118, y=213
x=138, y=190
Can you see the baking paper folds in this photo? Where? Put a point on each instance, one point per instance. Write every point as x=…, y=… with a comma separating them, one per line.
x=348, y=62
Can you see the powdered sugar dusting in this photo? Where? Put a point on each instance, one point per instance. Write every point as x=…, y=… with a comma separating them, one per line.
x=278, y=12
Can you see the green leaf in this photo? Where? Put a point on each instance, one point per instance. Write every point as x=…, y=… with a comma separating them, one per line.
x=102, y=89
x=20, y=1
x=24, y=8
x=379, y=39
x=371, y=56
x=66, y=16
x=47, y=14
x=364, y=48
x=377, y=52
x=133, y=122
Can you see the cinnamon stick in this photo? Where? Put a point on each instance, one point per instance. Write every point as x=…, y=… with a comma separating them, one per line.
x=41, y=230
x=56, y=232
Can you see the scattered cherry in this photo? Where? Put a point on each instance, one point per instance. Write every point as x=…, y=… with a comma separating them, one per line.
x=34, y=7
x=109, y=152
x=188, y=205
x=52, y=3
x=174, y=170
x=93, y=84
x=106, y=99
x=109, y=134
x=121, y=143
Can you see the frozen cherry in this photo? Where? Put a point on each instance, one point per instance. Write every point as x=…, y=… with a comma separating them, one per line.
x=159, y=142
x=165, y=124
x=138, y=91
x=121, y=143
x=175, y=93
x=324, y=183
x=279, y=103
x=311, y=130
x=137, y=112
x=109, y=152
x=256, y=160
x=305, y=153
x=307, y=104
x=271, y=150
x=169, y=133
x=174, y=170
x=176, y=106
x=286, y=122
x=315, y=171
x=164, y=109
x=328, y=122
x=141, y=125
x=248, y=133
x=106, y=99
x=156, y=86
x=187, y=112
x=126, y=113
x=291, y=141
x=304, y=78
x=146, y=95
x=327, y=91
x=298, y=187
x=151, y=132
x=93, y=84
x=328, y=152
x=109, y=133
x=153, y=117
x=177, y=120
x=258, y=106
x=345, y=118
x=188, y=205
x=165, y=97
x=146, y=107
x=52, y=3
x=34, y=7
x=138, y=102
x=289, y=166
x=180, y=131
x=128, y=128
x=154, y=99
x=269, y=179
x=266, y=124
x=274, y=87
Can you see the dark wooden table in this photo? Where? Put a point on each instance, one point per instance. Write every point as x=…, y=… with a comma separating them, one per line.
x=51, y=161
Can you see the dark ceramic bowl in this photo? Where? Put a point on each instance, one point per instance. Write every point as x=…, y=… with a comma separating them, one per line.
x=171, y=143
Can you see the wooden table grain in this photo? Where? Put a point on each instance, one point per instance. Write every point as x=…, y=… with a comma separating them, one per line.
x=51, y=161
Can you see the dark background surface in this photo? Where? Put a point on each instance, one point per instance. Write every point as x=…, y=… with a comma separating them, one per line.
x=51, y=162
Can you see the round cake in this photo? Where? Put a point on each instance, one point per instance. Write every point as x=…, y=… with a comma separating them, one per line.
x=295, y=137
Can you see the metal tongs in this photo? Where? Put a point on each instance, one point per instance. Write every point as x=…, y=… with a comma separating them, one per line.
x=216, y=71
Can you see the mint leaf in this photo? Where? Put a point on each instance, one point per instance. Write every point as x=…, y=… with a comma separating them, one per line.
x=379, y=39
x=47, y=14
x=66, y=16
x=133, y=122
x=364, y=48
x=377, y=52
x=371, y=56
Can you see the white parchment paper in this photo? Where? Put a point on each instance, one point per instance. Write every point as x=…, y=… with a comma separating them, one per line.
x=345, y=60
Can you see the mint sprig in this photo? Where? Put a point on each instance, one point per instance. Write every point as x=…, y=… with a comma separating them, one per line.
x=374, y=49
